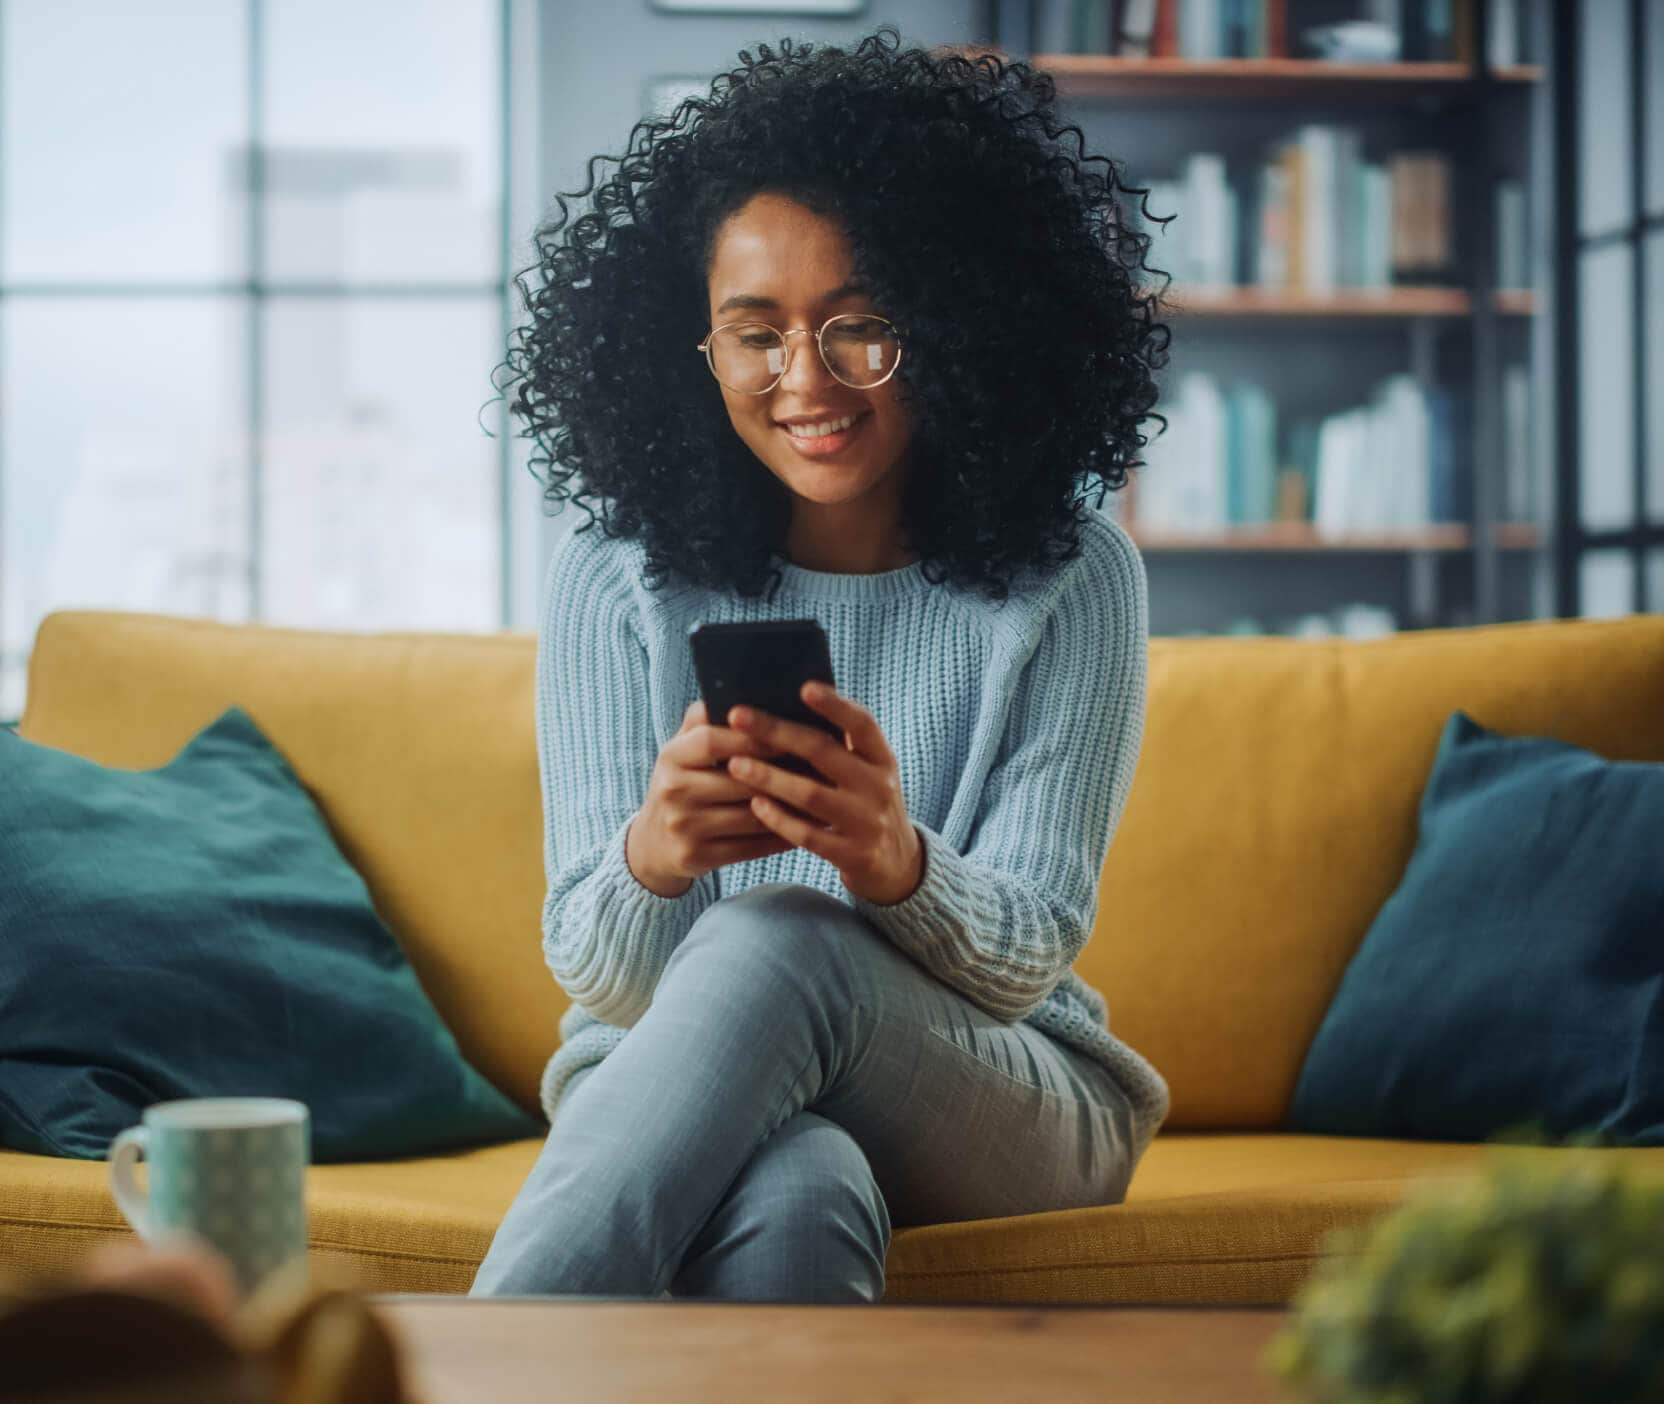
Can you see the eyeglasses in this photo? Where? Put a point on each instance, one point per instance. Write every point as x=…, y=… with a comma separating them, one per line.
x=751, y=358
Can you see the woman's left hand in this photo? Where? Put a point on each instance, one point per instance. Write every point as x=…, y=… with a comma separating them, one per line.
x=868, y=836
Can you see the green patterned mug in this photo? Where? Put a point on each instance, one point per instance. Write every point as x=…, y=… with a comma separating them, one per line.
x=231, y=1170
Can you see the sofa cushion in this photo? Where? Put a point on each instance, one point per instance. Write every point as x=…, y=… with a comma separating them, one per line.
x=192, y=930
x=1515, y=978
x=1209, y=1218
x=418, y=750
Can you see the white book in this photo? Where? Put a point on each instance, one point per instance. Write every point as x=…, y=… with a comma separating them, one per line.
x=1412, y=464
x=1317, y=143
x=1331, y=505
x=1212, y=235
x=1204, y=507
x=1377, y=231
x=1155, y=507
x=1138, y=23
x=1182, y=487
x=1369, y=500
x=1503, y=42
x=1358, y=470
x=1379, y=499
x=1199, y=29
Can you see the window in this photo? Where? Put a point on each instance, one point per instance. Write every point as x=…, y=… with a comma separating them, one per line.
x=1611, y=135
x=255, y=275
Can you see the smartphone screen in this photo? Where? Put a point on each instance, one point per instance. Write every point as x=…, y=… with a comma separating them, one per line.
x=763, y=665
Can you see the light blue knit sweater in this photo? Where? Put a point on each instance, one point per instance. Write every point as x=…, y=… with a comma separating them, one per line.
x=1016, y=728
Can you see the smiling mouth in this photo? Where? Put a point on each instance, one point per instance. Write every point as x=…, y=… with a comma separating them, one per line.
x=822, y=445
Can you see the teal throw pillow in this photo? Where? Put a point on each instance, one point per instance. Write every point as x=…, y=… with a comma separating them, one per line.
x=194, y=931
x=1513, y=985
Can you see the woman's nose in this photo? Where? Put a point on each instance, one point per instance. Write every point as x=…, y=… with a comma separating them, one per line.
x=804, y=362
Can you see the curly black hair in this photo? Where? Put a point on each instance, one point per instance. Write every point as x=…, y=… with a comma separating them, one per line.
x=1005, y=263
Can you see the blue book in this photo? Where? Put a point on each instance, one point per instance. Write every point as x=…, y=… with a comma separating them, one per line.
x=1251, y=456
x=1236, y=507
x=1090, y=27
x=1245, y=183
x=1052, y=26
x=1451, y=486
x=1014, y=27
x=1259, y=453
x=1234, y=26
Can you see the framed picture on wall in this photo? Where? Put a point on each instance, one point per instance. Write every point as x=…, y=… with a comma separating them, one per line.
x=762, y=7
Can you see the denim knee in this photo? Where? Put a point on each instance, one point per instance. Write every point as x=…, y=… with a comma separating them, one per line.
x=806, y=1200
x=811, y=1168
x=785, y=926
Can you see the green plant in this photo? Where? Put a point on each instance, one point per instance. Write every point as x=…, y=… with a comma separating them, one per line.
x=1529, y=1282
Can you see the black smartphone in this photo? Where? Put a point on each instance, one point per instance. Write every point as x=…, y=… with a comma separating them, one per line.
x=764, y=665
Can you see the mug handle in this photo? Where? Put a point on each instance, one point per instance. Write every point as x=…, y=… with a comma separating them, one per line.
x=125, y=1152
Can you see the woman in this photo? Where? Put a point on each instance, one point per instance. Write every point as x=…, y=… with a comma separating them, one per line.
x=841, y=340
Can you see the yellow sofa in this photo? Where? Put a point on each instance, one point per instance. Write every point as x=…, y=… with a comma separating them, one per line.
x=1273, y=811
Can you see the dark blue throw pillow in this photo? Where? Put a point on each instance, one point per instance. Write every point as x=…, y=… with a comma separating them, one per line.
x=1513, y=984
x=194, y=931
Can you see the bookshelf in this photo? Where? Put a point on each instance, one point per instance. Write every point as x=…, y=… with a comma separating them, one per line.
x=1301, y=536
x=1355, y=341
x=1109, y=78
x=1341, y=302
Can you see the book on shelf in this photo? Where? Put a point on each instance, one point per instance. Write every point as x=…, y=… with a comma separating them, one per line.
x=1091, y=25
x=1510, y=40
x=1014, y=26
x=1519, y=478
x=1251, y=454
x=1398, y=462
x=1315, y=215
x=1450, y=491
x=1194, y=29
x=1513, y=235
x=1360, y=31
x=1135, y=28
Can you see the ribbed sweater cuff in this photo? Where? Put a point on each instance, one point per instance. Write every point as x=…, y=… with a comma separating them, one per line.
x=939, y=924
x=619, y=934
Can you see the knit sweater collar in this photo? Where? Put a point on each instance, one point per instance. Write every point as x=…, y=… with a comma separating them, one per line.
x=835, y=585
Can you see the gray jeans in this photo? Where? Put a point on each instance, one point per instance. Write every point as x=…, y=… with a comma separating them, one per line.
x=797, y=1086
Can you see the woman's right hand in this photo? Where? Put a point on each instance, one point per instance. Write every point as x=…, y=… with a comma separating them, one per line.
x=695, y=818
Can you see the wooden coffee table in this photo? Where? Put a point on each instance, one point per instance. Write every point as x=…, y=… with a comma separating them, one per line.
x=601, y=1349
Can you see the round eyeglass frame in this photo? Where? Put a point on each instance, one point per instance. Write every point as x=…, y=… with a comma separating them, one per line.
x=820, y=347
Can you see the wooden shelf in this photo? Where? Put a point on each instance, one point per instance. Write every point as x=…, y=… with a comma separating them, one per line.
x=1342, y=302
x=1516, y=302
x=1106, y=76
x=1302, y=536
x=1517, y=536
